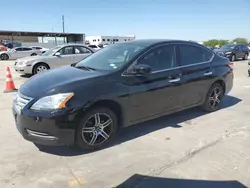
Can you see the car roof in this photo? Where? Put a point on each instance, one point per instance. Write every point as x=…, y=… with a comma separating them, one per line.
x=149, y=42
x=70, y=44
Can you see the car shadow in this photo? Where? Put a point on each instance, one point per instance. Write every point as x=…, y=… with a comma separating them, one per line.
x=141, y=181
x=26, y=75
x=141, y=129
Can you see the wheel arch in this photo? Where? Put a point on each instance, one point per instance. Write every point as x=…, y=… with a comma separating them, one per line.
x=222, y=83
x=106, y=103
x=37, y=63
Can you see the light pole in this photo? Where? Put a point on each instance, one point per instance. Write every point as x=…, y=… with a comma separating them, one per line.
x=63, y=27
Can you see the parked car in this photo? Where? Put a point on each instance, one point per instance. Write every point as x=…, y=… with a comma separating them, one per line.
x=42, y=49
x=55, y=57
x=3, y=48
x=19, y=52
x=95, y=47
x=120, y=85
x=234, y=51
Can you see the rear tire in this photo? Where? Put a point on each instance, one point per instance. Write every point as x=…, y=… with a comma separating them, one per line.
x=96, y=128
x=233, y=58
x=40, y=67
x=213, y=98
x=4, y=57
x=245, y=57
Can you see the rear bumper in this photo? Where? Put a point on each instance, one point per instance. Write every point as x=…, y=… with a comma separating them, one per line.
x=51, y=131
x=229, y=82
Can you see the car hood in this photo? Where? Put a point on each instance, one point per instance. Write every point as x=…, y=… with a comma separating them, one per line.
x=62, y=79
x=33, y=58
x=223, y=50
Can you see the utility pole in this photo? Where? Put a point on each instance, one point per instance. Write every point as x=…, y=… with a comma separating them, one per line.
x=63, y=27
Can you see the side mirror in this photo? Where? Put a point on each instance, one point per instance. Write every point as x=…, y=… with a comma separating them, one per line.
x=57, y=54
x=142, y=69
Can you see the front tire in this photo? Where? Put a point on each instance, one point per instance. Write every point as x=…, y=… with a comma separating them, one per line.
x=40, y=67
x=233, y=57
x=4, y=57
x=213, y=98
x=34, y=54
x=96, y=129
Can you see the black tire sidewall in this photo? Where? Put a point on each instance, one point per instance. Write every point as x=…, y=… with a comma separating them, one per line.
x=206, y=106
x=37, y=65
x=2, y=55
x=78, y=134
x=232, y=57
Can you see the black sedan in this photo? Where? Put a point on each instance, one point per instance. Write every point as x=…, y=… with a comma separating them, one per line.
x=120, y=85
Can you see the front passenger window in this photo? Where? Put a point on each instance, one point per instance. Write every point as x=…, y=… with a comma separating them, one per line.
x=159, y=58
x=67, y=50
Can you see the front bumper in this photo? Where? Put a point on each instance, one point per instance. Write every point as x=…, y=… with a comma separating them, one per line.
x=56, y=131
x=23, y=69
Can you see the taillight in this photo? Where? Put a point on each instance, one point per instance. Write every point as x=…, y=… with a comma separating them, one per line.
x=231, y=65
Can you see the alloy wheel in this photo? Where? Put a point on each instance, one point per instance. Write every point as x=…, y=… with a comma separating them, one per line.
x=215, y=97
x=4, y=57
x=97, y=129
x=41, y=68
x=246, y=57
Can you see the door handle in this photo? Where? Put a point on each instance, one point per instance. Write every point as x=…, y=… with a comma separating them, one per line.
x=208, y=73
x=174, y=80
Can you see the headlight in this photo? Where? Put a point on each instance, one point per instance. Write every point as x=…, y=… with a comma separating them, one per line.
x=227, y=53
x=52, y=102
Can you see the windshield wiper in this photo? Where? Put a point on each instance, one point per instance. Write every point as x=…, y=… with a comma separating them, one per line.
x=85, y=67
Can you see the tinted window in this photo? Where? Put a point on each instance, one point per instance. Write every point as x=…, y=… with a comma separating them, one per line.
x=38, y=48
x=81, y=50
x=19, y=49
x=26, y=49
x=67, y=50
x=92, y=46
x=159, y=58
x=190, y=54
x=244, y=47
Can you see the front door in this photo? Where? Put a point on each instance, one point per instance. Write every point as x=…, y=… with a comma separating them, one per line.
x=159, y=91
x=81, y=53
x=65, y=57
x=17, y=53
x=196, y=71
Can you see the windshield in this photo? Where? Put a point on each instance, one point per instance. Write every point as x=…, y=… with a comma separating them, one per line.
x=51, y=51
x=112, y=57
x=228, y=47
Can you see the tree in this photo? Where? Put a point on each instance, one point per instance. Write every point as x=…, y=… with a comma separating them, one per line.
x=211, y=43
x=215, y=43
x=222, y=42
x=240, y=41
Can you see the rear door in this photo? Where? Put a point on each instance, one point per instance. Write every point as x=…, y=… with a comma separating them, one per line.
x=80, y=53
x=158, y=92
x=195, y=65
x=27, y=51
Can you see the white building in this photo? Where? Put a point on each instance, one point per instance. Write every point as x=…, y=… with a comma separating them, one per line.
x=95, y=40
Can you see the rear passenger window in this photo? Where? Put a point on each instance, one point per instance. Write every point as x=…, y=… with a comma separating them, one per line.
x=190, y=54
x=159, y=58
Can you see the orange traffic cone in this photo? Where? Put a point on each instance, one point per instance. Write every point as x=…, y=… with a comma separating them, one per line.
x=10, y=87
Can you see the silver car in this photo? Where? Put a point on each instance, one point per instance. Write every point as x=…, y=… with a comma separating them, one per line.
x=55, y=57
x=19, y=52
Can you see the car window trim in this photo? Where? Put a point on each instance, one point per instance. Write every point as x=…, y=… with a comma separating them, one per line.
x=177, y=60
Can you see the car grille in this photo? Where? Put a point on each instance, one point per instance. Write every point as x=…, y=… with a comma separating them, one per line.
x=20, y=102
